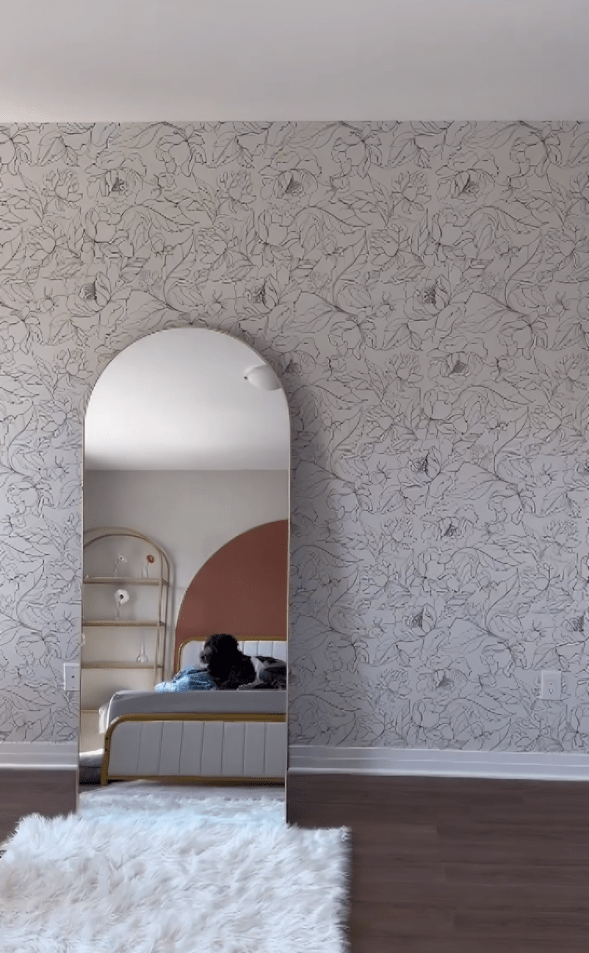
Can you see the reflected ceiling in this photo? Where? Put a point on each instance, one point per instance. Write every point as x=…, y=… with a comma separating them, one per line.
x=179, y=400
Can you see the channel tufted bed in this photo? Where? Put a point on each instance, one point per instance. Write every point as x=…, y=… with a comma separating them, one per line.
x=209, y=736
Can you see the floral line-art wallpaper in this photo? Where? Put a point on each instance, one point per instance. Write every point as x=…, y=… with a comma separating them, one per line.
x=422, y=291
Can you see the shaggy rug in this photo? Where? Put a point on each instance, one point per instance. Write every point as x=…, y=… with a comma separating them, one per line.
x=220, y=875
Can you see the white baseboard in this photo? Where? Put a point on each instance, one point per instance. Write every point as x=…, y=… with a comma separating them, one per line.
x=305, y=759
x=39, y=754
x=339, y=760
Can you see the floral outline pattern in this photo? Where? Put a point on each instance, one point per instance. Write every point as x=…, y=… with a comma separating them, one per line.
x=422, y=291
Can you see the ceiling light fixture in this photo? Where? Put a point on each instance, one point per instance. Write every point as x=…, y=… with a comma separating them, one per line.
x=263, y=377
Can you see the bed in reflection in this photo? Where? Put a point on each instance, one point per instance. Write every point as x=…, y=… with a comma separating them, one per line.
x=216, y=736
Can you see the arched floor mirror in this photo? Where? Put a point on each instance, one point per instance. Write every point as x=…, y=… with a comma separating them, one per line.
x=186, y=453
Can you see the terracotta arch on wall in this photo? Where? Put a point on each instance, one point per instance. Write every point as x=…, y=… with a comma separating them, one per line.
x=242, y=589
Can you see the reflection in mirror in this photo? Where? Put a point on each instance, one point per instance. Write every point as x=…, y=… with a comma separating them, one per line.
x=186, y=504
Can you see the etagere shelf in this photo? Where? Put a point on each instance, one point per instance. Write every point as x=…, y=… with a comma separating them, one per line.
x=146, y=615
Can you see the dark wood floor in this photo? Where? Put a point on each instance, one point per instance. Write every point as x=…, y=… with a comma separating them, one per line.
x=458, y=865
x=28, y=791
x=439, y=865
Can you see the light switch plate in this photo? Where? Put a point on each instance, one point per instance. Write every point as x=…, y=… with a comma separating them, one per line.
x=71, y=676
x=550, y=685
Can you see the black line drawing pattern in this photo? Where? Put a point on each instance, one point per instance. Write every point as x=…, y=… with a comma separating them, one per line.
x=422, y=290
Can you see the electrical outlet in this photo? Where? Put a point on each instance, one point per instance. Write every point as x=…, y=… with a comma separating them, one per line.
x=71, y=676
x=550, y=685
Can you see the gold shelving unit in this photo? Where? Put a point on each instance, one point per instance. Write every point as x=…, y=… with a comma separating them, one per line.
x=116, y=546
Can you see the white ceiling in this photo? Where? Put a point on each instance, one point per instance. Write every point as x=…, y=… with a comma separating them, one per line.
x=179, y=400
x=143, y=60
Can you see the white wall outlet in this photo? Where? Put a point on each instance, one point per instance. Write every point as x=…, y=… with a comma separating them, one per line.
x=550, y=685
x=71, y=677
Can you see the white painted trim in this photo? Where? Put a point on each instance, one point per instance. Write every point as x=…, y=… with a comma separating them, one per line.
x=304, y=759
x=39, y=754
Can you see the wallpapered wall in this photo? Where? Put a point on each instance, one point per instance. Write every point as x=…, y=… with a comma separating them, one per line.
x=422, y=291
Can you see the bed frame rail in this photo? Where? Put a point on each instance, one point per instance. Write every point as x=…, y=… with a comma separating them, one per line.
x=214, y=748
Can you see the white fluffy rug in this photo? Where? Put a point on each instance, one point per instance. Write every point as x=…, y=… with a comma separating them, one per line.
x=204, y=876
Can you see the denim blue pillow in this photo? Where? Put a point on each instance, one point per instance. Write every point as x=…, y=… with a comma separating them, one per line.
x=187, y=680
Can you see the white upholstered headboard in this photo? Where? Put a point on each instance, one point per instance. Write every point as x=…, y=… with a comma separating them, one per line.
x=190, y=651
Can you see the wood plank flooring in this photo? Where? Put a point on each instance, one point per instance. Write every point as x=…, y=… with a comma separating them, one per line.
x=439, y=865
x=29, y=791
x=457, y=865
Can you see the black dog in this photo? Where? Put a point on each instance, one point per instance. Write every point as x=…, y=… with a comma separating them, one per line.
x=229, y=668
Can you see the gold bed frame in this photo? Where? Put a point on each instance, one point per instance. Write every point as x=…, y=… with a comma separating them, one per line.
x=190, y=716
